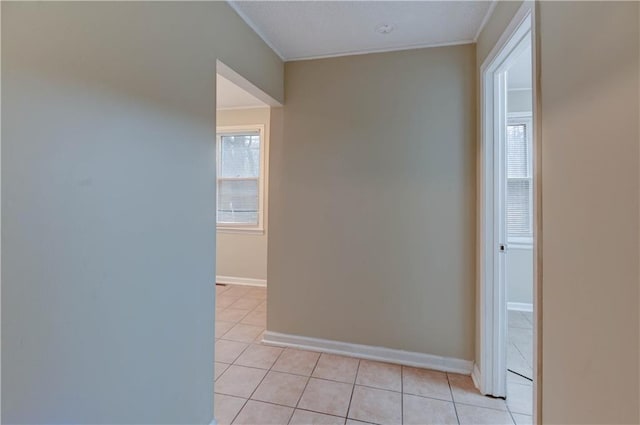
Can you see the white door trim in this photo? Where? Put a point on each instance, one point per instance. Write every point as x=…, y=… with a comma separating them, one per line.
x=490, y=375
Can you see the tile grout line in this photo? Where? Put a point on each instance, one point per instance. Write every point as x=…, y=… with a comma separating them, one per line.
x=343, y=382
x=522, y=356
x=238, y=322
x=353, y=390
x=248, y=344
x=256, y=388
x=402, y=394
x=455, y=408
x=482, y=406
x=346, y=418
x=375, y=388
x=282, y=405
x=338, y=416
x=361, y=385
x=233, y=364
x=513, y=420
x=305, y=384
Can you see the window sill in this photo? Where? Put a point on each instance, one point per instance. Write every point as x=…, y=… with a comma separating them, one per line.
x=244, y=230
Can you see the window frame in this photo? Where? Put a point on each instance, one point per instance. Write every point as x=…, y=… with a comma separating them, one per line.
x=526, y=119
x=242, y=130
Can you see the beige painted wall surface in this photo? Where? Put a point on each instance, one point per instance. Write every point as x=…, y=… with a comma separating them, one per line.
x=590, y=165
x=244, y=255
x=108, y=193
x=372, y=228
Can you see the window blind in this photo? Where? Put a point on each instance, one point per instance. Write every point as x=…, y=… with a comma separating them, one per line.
x=239, y=178
x=519, y=182
x=238, y=201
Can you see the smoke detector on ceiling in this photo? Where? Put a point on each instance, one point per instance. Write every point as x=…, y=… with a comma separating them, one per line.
x=384, y=28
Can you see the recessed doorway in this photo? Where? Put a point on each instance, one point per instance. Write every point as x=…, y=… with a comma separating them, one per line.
x=507, y=276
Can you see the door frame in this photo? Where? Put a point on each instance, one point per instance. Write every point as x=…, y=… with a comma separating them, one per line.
x=490, y=371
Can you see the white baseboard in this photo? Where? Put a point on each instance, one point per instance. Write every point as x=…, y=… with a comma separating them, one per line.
x=528, y=307
x=475, y=376
x=246, y=281
x=369, y=352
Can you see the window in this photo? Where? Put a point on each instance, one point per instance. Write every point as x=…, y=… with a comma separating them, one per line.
x=519, y=180
x=240, y=178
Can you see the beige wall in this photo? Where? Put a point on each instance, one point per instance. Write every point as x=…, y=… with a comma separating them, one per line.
x=590, y=165
x=108, y=193
x=590, y=191
x=373, y=201
x=244, y=255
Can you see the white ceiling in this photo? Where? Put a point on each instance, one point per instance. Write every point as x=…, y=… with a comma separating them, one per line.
x=519, y=74
x=312, y=29
x=230, y=96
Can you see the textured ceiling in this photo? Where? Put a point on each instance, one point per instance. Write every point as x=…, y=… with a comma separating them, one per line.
x=230, y=96
x=312, y=29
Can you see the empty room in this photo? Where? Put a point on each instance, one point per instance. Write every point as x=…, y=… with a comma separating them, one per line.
x=320, y=212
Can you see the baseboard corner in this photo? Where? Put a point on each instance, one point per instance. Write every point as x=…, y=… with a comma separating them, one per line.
x=369, y=352
x=475, y=376
x=245, y=281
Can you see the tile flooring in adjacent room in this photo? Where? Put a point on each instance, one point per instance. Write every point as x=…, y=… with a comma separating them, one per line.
x=520, y=361
x=260, y=384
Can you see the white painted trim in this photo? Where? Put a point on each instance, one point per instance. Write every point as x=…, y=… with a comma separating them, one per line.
x=526, y=307
x=245, y=281
x=523, y=12
x=245, y=231
x=521, y=114
x=486, y=18
x=475, y=376
x=382, y=50
x=253, y=26
x=242, y=108
x=537, y=225
x=369, y=352
x=520, y=89
x=492, y=303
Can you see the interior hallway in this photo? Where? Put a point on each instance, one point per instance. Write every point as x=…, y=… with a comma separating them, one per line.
x=256, y=383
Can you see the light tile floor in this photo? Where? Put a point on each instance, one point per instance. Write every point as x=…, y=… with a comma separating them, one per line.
x=520, y=360
x=260, y=384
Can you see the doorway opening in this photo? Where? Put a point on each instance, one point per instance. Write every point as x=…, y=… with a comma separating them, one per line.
x=243, y=129
x=508, y=211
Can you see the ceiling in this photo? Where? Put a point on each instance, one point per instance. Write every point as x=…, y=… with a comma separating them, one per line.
x=312, y=29
x=230, y=96
x=519, y=74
